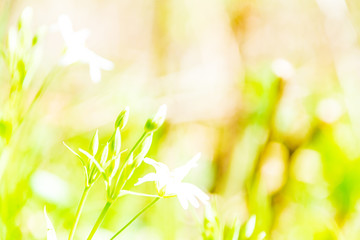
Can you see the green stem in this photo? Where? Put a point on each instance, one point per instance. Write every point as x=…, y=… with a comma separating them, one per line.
x=99, y=220
x=119, y=186
x=136, y=145
x=78, y=212
x=134, y=218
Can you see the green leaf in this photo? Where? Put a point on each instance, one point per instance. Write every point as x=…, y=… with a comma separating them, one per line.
x=93, y=160
x=81, y=159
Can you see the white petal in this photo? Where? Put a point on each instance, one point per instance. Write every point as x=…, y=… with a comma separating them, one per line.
x=193, y=201
x=180, y=172
x=51, y=235
x=163, y=175
x=172, y=188
x=65, y=27
x=95, y=73
x=197, y=192
x=202, y=196
x=159, y=167
x=106, y=64
x=69, y=58
x=147, y=178
x=92, y=58
x=185, y=194
x=152, y=162
x=80, y=37
x=160, y=115
x=103, y=63
x=183, y=201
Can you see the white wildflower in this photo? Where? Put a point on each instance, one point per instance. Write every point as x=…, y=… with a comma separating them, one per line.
x=76, y=51
x=169, y=183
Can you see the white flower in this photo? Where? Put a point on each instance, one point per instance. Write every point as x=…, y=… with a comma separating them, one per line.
x=169, y=183
x=76, y=51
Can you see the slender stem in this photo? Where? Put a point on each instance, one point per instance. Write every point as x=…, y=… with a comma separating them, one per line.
x=78, y=212
x=99, y=220
x=134, y=218
x=136, y=145
x=119, y=186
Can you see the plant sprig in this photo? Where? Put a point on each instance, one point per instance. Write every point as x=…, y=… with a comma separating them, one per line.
x=108, y=164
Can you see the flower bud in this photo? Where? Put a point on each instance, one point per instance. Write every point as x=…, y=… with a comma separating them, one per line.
x=104, y=155
x=122, y=118
x=27, y=14
x=117, y=141
x=143, y=149
x=94, y=145
x=26, y=17
x=154, y=123
x=35, y=40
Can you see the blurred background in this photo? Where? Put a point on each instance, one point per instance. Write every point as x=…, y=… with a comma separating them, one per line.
x=268, y=91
